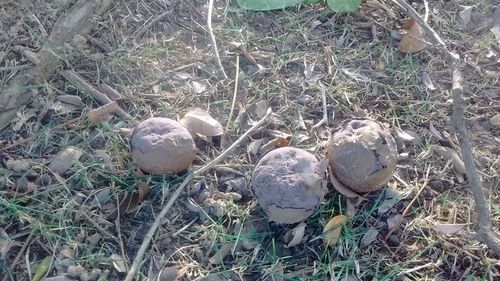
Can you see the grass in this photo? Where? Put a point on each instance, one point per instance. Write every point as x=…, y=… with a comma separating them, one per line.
x=61, y=215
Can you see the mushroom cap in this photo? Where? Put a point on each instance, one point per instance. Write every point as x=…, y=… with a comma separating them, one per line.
x=362, y=155
x=287, y=183
x=161, y=145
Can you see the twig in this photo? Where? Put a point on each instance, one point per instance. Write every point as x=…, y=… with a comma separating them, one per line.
x=145, y=28
x=398, y=223
x=79, y=82
x=149, y=236
x=484, y=230
x=235, y=92
x=426, y=9
x=212, y=36
x=19, y=255
x=323, y=120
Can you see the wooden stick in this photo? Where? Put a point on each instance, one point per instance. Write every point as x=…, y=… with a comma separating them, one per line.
x=149, y=236
x=212, y=36
x=79, y=82
x=235, y=92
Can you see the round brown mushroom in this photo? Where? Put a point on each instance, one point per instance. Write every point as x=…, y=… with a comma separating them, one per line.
x=362, y=155
x=161, y=145
x=287, y=183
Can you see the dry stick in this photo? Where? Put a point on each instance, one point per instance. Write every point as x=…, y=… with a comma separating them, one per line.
x=236, y=78
x=212, y=36
x=79, y=82
x=149, y=236
x=145, y=28
x=484, y=230
x=398, y=223
x=18, y=256
x=323, y=101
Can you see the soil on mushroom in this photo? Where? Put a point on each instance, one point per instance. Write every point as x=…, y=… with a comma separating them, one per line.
x=170, y=69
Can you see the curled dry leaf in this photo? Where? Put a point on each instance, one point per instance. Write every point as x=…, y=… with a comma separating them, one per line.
x=18, y=165
x=448, y=228
x=342, y=189
x=413, y=41
x=102, y=113
x=426, y=79
x=118, y=263
x=450, y=155
x=332, y=229
x=295, y=235
x=199, y=121
x=129, y=201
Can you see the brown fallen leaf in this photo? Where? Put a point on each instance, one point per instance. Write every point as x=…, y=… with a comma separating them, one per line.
x=450, y=155
x=199, y=121
x=332, y=229
x=65, y=159
x=448, y=228
x=102, y=113
x=413, y=41
x=129, y=201
x=280, y=142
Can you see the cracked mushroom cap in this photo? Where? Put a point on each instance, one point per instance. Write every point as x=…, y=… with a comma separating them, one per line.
x=362, y=155
x=287, y=183
x=161, y=145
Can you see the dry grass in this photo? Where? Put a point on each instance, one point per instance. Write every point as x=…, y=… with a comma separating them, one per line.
x=155, y=73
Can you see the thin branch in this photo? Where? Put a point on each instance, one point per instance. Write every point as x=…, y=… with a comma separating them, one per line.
x=484, y=229
x=324, y=120
x=149, y=236
x=212, y=36
x=235, y=92
x=148, y=25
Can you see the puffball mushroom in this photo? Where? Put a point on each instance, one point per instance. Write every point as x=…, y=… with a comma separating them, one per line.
x=362, y=155
x=287, y=183
x=161, y=145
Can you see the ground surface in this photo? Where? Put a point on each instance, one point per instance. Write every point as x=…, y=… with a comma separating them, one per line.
x=283, y=55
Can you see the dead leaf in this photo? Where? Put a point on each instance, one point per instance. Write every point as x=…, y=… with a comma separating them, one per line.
x=413, y=41
x=280, y=142
x=393, y=221
x=257, y=110
x=103, y=113
x=70, y=99
x=5, y=243
x=199, y=121
x=199, y=87
x=18, y=165
x=65, y=159
x=129, y=201
x=332, y=229
x=435, y=132
x=495, y=121
x=448, y=228
x=369, y=237
x=253, y=147
x=426, y=79
x=450, y=155
x=119, y=263
x=224, y=250
x=42, y=268
x=342, y=189
x=465, y=15
x=295, y=235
